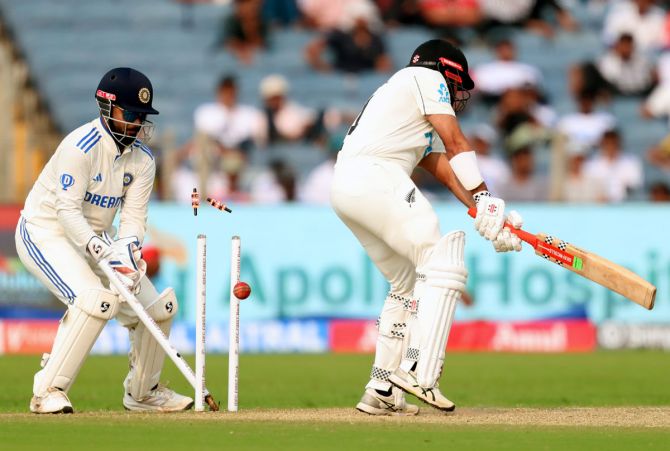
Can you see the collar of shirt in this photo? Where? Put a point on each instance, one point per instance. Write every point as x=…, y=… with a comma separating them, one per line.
x=109, y=144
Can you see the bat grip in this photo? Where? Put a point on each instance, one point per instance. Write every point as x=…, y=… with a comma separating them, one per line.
x=525, y=236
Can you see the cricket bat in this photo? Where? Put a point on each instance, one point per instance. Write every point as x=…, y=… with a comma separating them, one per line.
x=589, y=265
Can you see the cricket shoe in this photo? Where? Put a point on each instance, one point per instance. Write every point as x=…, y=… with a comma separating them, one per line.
x=430, y=395
x=159, y=399
x=374, y=403
x=54, y=401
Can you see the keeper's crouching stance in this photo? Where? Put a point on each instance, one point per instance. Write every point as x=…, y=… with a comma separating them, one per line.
x=410, y=121
x=65, y=229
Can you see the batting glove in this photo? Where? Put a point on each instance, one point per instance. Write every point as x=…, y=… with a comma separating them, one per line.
x=490, y=215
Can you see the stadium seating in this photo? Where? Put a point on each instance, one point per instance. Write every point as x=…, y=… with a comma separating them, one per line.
x=70, y=43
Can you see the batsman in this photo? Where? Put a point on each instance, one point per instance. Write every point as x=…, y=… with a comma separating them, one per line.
x=66, y=228
x=411, y=121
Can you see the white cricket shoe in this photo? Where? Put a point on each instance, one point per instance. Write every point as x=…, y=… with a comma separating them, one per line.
x=160, y=399
x=375, y=404
x=430, y=395
x=54, y=401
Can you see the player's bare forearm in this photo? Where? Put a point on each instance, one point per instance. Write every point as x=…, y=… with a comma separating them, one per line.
x=438, y=165
x=450, y=133
x=454, y=142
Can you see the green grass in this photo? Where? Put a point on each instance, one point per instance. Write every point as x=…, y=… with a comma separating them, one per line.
x=126, y=434
x=310, y=381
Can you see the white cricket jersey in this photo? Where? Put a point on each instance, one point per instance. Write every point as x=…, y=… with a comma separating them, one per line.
x=392, y=125
x=86, y=181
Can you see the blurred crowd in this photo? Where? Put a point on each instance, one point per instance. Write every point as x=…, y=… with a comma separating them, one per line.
x=527, y=151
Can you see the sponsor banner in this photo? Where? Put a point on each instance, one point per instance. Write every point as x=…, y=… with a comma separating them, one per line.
x=613, y=335
x=17, y=285
x=33, y=336
x=302, y=262
x=275, y=336
x=535, y=336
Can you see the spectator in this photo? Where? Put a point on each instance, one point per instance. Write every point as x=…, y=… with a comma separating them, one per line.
x=620, y=172
x=640, y=18
x=495, y=77
x=326, y=15
x=628, y=71
x=280, y=12
x=513, y=110
x=659, y=192
x=354, y=49
x=244, y=31
x=585, y=127
x=539, y=108
x=622, y=70
x=659, y=155
x=274, y=185
x=226, y=132
x=657, y=104
x=524, y=184
x=316, y=189
x=493, y=169
x=521, y=119
x=285, y=120
x=580, y=186
x=232, y=125
x=526, y=13
x=400, y=12
x=450, y=13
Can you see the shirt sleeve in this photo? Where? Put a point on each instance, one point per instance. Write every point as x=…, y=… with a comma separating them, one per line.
x=431, y=93
x=73, y=169
x=658, y=101
x=133, y=217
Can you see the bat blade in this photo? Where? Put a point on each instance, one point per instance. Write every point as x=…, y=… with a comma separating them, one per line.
x=598, y=269
x=589, y=265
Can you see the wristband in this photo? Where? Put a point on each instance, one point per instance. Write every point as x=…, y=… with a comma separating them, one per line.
x=465, y=167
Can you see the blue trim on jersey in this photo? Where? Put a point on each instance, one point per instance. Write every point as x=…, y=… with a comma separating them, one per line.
x=143, y=148
x=93, y=137
x=95, y=141
x=43, y=264
x=147, y=151
x=85, y=137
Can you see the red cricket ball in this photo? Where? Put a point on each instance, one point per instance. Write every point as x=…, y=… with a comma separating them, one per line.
x=241, y=290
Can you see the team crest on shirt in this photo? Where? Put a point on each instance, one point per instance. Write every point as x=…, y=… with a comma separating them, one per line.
x=443, y=94
x=127, y=179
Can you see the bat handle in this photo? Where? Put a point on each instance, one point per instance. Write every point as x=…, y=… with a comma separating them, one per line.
x=525, y=236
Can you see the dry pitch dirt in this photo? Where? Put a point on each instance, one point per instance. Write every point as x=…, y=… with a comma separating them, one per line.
x=654, y=417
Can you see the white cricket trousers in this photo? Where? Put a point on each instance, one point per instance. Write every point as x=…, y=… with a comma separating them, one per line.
x=388, y=214
x=66, y=272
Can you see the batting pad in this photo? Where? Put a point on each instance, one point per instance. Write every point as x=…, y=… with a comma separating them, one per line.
x=392, y=325
x=445, y=281
x=76, y=335
x=146, y=355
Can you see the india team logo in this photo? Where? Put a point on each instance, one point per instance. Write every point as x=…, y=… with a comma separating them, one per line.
x=144, y=95
x=66, y=180
x=127, y=179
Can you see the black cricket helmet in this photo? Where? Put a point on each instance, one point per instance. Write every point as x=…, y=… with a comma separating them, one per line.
x=130, y=91
x=448, y=60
